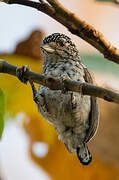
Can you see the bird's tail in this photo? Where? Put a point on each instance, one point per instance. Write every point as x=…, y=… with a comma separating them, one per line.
x=84, y=155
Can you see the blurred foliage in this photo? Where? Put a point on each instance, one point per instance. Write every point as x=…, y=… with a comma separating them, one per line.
x=17, y=94
x=30, y=47
x=2, y=111
x=105, y=144
x=97, y=63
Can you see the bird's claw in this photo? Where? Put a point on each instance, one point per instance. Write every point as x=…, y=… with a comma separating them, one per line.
x=64, y=89
x=20, y=73
x=36, y=97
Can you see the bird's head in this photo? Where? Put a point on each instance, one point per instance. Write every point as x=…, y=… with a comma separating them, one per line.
x=59, y=45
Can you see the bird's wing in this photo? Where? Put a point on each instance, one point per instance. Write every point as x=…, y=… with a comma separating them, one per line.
x=94, y=113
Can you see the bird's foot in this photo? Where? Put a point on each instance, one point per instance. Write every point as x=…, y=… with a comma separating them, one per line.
x=64, y=78
x=20, y=74
x=36, y=97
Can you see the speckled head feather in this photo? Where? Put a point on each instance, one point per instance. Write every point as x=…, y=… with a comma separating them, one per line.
x=65, y=42
x=56, y=37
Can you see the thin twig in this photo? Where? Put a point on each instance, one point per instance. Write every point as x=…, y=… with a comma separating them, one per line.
x=74, y=24
x=108, y=1
x=56, y=84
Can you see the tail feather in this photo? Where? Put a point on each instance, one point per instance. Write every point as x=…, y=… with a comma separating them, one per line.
x=84, y=155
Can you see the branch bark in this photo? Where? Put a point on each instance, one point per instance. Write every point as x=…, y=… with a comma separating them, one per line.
x=74, y=24
x=109, y=1
x=56, y=84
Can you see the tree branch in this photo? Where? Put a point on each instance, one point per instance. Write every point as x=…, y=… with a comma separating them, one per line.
x=74, y=24
x=56, y=84
x=109, y=1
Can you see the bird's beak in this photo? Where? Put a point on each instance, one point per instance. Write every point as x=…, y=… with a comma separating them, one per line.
x=47, y=48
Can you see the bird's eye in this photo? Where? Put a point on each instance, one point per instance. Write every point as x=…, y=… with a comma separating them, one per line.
x=61, y=43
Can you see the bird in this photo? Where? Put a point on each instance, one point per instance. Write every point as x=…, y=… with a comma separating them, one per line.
x=74, y=116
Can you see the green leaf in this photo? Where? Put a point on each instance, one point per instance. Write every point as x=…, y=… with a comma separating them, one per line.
x=2, y=111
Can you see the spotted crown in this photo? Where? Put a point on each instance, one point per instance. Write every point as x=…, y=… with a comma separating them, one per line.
x=62, y=39
x=57, y=37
